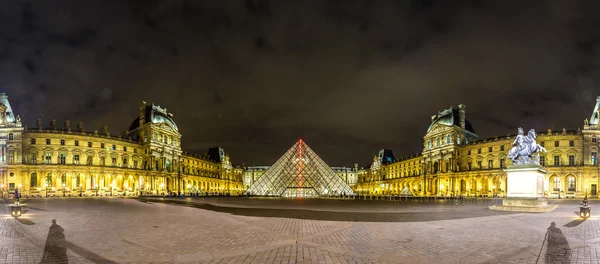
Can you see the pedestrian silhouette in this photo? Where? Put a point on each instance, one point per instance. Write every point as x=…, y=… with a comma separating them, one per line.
x=55, y=250
x=558, y=250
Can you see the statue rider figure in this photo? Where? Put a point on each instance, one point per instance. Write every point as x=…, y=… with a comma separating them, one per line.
x=520, y=140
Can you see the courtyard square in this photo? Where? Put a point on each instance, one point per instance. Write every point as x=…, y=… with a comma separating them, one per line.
x=254, y=230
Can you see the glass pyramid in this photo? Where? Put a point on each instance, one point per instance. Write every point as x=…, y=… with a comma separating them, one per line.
x=300, y=172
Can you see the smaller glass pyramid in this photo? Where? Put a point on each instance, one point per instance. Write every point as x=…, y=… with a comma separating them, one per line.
x=300, y=172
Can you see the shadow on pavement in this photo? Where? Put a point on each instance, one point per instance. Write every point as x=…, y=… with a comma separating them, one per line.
x=55, y=250
x=341, y=216
x=574, y=223
x=25, y=221
x=557, y=250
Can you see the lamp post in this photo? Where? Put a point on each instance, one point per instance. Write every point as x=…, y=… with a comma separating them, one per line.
x=46, y=187
x=64, y=189
x=2, y=189
x=80, y=190
x=441, y=190
x=111, y=188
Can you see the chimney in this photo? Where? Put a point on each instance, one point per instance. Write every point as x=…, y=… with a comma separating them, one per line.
x=53, y=124
x=96, y=132
x=461, y=115
x=39, y=123
x=80, y=127
x=105, y=129
x=68, y=125
x=142, y=113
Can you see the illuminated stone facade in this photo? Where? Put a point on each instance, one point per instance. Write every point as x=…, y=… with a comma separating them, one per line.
x=145, y=159
x=455, y=161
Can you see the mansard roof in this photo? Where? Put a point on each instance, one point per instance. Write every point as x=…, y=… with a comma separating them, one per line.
x=450, y=117
x=154, y=114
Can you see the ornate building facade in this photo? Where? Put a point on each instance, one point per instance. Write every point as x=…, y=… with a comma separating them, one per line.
x=145, y=159
x=455, y=161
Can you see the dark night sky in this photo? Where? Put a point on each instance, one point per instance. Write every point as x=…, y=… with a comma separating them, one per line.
x=349, y=77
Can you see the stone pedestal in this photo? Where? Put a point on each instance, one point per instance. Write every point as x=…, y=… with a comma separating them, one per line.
x=525, y=190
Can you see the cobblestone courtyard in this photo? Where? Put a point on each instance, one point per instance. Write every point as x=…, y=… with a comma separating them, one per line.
x=242, y=230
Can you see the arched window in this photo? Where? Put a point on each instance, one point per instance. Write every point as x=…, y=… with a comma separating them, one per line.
x=571, y=181
x=428, y=143
x=48, y=181
x=34, y=181
x=155, y=136
x=168, y=163
x=438, y=141
x=78, y=181
x=63, y=180
x=556, y=184
x=448, y=139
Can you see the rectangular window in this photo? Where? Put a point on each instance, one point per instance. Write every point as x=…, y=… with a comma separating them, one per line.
x=114, y=161
x=134, y=150
x=502, y=165
x=469, y=152
x=556, y=184
x=478, y=151
x=11, y=136
x=89, y=144
x=47, y=141
x=77, y=143
x=48, y=158
x=593, y=139
x=62, y=158
x=90, y=160
x=33, y=141
x=594, y=157
x=571, y=160
x=502, y=148
x=114, y=147
x=102, y=161
x=556, y=143
x=489, y=149
x=542, y=144
x=76, y=159
x=571, y=143
x=11, y=156
x=490, y=164
x=556, y=160
x=102, y=145
x=33, y=158
x=125, y=148
x=125, y=163
x=543, y=160
x=135, y=164
x=62, y=142
x=479, y=164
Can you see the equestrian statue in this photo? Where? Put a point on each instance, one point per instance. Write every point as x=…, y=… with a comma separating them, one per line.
x=525, y=150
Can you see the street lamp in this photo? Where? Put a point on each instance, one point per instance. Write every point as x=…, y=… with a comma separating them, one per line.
x=46, y=187
x=80, y=190
x=441, y=189
x=111, y=188
x=64, y=189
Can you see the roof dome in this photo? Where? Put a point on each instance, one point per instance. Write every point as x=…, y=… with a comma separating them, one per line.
x=450, y=117
x=156, y=115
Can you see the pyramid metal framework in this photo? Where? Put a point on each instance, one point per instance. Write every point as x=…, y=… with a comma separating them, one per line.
x=300, y=172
